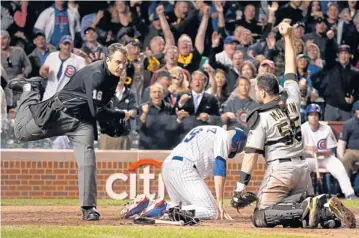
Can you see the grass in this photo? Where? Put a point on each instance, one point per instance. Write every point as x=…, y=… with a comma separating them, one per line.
x=57, y=202
x=129, y=231
x=104, y=202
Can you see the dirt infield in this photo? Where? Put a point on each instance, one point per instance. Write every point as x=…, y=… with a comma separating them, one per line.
x=71, y=216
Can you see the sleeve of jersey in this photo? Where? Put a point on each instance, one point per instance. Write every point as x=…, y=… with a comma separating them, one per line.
x=292, y=87
x=255, y=140
x=221, y=146
x=219, y=167
x=331, y=140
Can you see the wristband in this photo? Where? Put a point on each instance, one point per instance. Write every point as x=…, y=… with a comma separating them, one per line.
x=244, y=177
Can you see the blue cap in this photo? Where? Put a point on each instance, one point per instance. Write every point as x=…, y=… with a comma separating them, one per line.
x=230, y=40
x=356, y=105
x=313, y=108
x=66, y=39
x=238, y=142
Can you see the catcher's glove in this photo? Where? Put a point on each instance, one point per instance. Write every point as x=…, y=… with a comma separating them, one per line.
x=242, y=199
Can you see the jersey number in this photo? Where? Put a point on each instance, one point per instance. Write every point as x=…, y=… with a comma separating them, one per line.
x=195, y=132
x=290, y=132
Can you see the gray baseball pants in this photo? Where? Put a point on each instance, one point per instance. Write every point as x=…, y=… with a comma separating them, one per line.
x=81, y=135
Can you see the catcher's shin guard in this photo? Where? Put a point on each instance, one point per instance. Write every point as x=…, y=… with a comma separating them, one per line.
x=285, y=214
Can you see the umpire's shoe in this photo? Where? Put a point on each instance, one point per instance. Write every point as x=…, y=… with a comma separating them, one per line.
x=17, y=84
x=344, y=214
x=90, y=214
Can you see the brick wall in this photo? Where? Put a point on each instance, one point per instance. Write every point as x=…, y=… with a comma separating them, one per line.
x=53, y=173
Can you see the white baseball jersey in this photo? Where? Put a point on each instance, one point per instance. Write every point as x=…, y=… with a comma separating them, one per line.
x=322, y=139
x=277, y=135
x=202, y=145
x=69, y=68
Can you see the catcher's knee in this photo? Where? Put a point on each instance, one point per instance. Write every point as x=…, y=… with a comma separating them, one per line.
x=258, y=218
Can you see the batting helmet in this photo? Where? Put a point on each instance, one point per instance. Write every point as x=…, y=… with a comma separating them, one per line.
x=237, y=143
x=313, y=108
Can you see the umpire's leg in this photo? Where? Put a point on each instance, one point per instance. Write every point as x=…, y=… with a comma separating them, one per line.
x=25, y=127
x=83, y=143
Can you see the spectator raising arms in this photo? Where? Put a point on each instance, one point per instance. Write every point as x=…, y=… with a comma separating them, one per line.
x=337, y=82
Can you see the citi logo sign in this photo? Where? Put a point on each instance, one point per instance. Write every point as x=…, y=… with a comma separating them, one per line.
x=146, y=176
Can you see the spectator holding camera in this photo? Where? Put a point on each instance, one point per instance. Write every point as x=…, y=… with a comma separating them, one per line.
x=337, y=83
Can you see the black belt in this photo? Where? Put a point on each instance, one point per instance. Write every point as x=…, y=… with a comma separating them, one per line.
x=179, y=158
x=282, y=160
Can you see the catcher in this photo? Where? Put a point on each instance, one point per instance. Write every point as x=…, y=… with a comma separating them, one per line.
x=275, y=133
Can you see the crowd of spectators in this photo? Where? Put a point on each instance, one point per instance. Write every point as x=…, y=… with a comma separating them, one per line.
x=190, y=63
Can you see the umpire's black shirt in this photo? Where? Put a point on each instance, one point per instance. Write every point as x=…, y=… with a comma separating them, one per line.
x=88, y=91
x=86, y=94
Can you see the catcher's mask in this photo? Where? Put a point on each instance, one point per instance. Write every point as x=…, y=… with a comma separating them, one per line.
x=237, y=143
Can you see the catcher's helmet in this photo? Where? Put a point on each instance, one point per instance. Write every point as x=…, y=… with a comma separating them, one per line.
x=313, y=108
x=237, y=143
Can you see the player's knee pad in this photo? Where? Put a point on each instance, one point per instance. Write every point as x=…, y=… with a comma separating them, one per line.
x=259, y=220
x=286, y=214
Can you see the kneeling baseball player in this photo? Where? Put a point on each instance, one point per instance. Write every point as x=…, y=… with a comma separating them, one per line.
x=204, y=149
x=275, y=133
x=319, y=140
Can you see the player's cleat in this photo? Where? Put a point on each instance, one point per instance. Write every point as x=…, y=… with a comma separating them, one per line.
x=315, y=205
x=138, y=204
x=17, y=84
x=351, y=197
x=346, y=216
x=327, y=224
x=330, y=224
x=90, y=214
x=156, y=209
